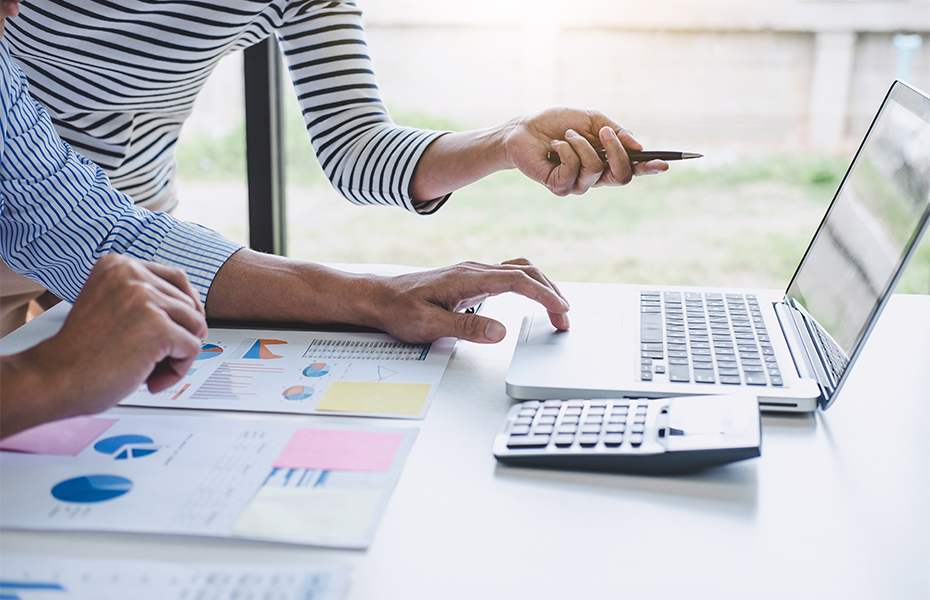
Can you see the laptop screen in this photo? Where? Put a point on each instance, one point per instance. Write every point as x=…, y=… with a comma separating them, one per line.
x=875, y=220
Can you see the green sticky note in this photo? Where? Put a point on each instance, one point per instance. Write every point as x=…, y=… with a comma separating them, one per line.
x=381, y=397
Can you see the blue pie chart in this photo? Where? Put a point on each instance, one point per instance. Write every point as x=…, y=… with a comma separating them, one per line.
x=91, y=488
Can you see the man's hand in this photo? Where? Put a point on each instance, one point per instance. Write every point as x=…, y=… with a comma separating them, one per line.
x=422, y=307
x=574, y=134
x=133, y=322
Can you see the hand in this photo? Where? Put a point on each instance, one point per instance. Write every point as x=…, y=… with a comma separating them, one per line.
x=574, y=134
x=422, y=307
x=133, y=322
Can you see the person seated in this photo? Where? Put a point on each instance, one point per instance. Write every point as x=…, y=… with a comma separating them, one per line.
x=142, y=283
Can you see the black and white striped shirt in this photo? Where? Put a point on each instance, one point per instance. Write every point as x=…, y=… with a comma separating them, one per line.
x=119, y=78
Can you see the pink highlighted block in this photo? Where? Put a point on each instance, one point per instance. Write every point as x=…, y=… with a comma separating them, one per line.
x=340, y=450
x=60, y=438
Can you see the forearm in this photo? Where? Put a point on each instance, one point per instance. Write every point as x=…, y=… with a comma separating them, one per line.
x=26, y=392
x=458, y=159
x=255, y=286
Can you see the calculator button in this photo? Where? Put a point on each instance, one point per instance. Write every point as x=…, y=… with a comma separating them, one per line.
x=596, y=420
x=638, y=428
x=613, y=439
x=523, y=421
x=543, y=429
x=569, y=420
x=520, y=430
x=553, y=404
x=527, y=412
x=588, y=439
x=567, y=428
x=563, y=440
x=546, y=420
x=528, y=441
x=599, y=403
x=531, y=404
x=620, y=405
x=615, y=428
x=596, y=410
x=591, y=429
x=550, y=412
x=574, y=403
x=618, y=419
x=636, y=440
x=573, y=411
x=641, y=410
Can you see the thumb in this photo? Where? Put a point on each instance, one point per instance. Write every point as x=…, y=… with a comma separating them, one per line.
x=478, y=329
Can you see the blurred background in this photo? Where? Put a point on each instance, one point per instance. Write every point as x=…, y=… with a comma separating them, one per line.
x=776, y=93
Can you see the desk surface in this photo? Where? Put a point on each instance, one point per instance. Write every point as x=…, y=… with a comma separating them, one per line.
x=838, y=506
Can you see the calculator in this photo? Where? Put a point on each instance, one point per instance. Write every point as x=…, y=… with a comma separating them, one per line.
x=644, y=435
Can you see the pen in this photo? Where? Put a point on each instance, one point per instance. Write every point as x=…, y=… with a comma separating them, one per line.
x=647, y=155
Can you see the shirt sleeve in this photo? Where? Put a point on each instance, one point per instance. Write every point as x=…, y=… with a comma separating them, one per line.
x=368, y=158
x=59, y=214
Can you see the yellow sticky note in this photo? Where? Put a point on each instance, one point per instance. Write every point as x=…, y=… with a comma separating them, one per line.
x=310, y=515
x=368, y=397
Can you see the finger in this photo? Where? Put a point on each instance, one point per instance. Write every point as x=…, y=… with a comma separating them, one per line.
x=177, y=279
x=181, y=312
x=179, y=350
x=591, y=164
x=562, y=178
x=499, y=281
x=620, y=168
x=649, y=168
x=626, y=138
x=537, y=274
x=473, y=328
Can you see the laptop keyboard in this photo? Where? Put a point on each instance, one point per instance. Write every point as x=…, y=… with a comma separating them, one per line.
x=705, y=338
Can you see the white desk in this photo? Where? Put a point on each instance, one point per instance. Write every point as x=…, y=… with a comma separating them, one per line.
x=838, y=506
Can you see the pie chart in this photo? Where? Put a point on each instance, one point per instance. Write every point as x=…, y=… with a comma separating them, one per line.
x=209, y=351
x=298, y=392
x=316, y=370
x=125, y=447
x=91, y=488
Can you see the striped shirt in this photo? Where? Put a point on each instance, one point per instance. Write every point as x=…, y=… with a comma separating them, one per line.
x=120, y=78
x=59, y=214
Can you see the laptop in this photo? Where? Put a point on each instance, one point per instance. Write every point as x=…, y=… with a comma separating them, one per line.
x=793, y=349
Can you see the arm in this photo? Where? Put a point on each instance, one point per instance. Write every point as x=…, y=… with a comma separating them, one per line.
x=133, y=322
x=457, y=159
x=413, y=308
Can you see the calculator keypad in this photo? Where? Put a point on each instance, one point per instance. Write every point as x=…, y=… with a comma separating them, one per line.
x=585, y=423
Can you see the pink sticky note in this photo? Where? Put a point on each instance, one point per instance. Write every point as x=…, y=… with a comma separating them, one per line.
x=61, y=438
x=339, y=450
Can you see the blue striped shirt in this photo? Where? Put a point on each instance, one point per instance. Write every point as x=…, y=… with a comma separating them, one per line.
x=59, y=213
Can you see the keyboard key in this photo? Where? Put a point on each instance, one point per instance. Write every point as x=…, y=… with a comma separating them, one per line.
x=588, y=439
x=756, y=379
x=730, y=379
x=704, y=376
x=646, y=375
x=564, y=440
x=679, y=373
x=528, y=441
x=777, y=381
x=660, y=368
x=650, y=327
x=613, y=440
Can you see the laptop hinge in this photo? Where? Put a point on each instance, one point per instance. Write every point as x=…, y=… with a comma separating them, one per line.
x=806, y=359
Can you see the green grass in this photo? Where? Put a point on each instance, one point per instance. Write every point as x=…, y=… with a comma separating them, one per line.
x=746, y=223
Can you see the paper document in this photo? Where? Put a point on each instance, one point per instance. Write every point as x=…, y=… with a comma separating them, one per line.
x=305, y=372
x=45, y=578
x=312, y=484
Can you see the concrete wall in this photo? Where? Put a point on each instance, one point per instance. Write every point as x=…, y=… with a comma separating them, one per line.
x=747, y=74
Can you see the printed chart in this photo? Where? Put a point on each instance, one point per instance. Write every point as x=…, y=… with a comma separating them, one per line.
x=45, y=578
x=312, y=485
x=362, y=374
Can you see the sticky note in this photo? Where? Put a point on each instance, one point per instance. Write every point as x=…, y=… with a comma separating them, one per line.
x=309, y=515
x=380, y=397
x=339, y=450
x=66, y=437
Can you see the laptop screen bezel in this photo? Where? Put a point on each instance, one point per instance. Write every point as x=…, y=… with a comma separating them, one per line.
x=918, y=103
